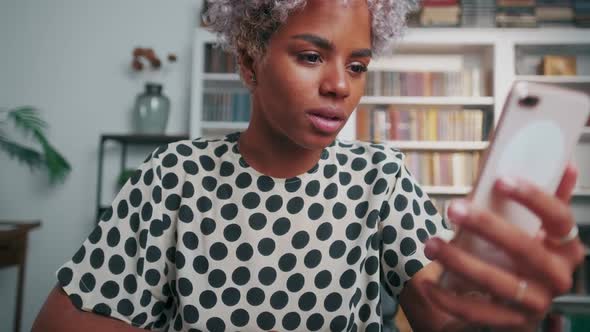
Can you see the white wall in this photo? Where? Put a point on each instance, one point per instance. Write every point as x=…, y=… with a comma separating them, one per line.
x=70, y=59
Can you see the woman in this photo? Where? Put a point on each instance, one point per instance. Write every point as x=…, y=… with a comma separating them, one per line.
x=283, y=227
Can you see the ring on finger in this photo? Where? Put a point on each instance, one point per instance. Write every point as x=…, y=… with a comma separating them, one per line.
x=521, y=290
x=569, y=237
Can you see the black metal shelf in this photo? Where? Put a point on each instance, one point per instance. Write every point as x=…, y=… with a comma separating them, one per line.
x=126, y=140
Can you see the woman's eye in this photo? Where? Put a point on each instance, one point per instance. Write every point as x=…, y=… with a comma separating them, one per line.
x=310, y=57
x=358, y=68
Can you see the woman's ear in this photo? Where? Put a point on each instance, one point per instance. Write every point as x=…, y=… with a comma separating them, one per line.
x=247, y=68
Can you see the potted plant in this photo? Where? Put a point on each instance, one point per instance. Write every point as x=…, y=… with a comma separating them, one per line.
x=27, y=120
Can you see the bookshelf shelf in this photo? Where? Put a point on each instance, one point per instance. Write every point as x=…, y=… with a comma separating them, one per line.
x=224, y=125
x=439, y=101
x=446, y=190
x=583, y=79
x=221, y=77
x=439, y=145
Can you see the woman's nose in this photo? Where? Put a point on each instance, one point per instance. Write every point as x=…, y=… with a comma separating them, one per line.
x=335, y=82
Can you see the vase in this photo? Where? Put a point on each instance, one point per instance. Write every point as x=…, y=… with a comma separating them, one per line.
x=151, y=110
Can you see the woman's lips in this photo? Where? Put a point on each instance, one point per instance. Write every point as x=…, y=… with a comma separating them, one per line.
x=327, y=119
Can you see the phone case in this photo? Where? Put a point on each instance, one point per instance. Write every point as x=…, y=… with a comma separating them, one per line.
x=537, y=132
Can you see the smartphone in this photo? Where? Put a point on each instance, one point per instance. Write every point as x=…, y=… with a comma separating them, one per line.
x=537, y=132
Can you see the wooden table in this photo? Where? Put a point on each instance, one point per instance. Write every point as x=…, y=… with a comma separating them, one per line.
x=13, y=251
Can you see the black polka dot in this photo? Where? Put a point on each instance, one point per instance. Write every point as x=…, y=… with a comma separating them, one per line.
x=295, y=282
x=226, y=169
x=266, y=321
x=255, y=296
x=229, y=211
x=116, y=264
x=267, y=275
x=430, y=227
x=315, y=212
x=292, y=184
x=204, y=204
x=429, y=208
x=391, y=258
x=243, y=180
x=312, y=259
x=337, y=249
x=184, y=150
x=251, y=200
x=109, y=289
x=257, y=221
x=232, y=232
x=274, y=203
x=265, y=183
x=358, y=164
x=339, y=210
x=370, y=176
x=359, y=150
x=218, y=251
x=307, y=301
x=355, y=192
x=152, y=277
x=315, y=322
x=217, y=278
x=125, y=307
x=190, y=167
x=324, y=231
x=353, y=231
x=333, y=302
x=372, y=290
x=215, y=324
x=348, y=279
x=408, y=246
x=291, y=321
x=342, y=158
x=130, y=284
x=241, y=275
x=170, y=160
x=207, y=163
x=224, y=191
x=330, y=171
x=361, y=209
x=244, y=252
x=207, y=299
x=207, y=226
x=287, y=262
x=407, y=221
x=170, y=181
x=300, y=240
x=378, y=157
x=281, y=226
x=338, y=323
x=79, y=255
x=230, y=296
x=279, y=300
x=354, y=255
x=209, y=183
x=240, y=318
x=266, y=246
x=102, y=309
x=413, y=266
x=65, y=276
x=323, y=279
x=295, y=205
x=185, y=287
x=312, y=188
x=135, y=197
x=221, y=150
x=97, y=258
x=185, y=214
x=331, y=191
x=371, y=265
x=153, y=254
x=390, y=168
x=344, y=178
x=190, y=314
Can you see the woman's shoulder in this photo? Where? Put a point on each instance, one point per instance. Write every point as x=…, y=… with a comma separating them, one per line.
x=368, y=153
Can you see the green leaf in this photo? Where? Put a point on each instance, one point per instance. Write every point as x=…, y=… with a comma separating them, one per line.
x=23, y=154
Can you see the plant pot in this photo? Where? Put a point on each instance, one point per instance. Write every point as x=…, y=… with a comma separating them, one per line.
x=151, y=110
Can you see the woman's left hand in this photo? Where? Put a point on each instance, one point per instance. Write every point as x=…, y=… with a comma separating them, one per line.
x=519, y=299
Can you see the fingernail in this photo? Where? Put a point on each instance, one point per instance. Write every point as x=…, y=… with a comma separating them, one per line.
x=431, y=249
x=458, y=211
x=508, y=184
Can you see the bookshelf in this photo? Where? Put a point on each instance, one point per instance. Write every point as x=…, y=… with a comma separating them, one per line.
x=495, y=57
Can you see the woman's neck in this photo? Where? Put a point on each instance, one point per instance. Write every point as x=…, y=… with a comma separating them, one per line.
x=273, y=154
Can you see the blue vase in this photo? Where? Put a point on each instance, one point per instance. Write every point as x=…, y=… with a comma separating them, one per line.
x=152, y=109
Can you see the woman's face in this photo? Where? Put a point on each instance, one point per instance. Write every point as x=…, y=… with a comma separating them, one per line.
x=313, y=73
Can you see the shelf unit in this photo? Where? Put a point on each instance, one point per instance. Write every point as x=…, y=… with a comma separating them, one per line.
x=497, y=48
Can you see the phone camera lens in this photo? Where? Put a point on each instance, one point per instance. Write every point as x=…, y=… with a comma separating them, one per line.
x=528, y=101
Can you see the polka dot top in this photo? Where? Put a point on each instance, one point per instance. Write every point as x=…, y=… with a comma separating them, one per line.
x=197, y=240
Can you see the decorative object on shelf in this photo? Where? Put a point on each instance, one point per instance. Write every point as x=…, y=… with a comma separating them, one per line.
x=152, y=107
x=30, y=123
x=559, y=65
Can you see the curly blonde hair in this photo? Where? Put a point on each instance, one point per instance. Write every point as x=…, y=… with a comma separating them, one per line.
x=248, y=24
